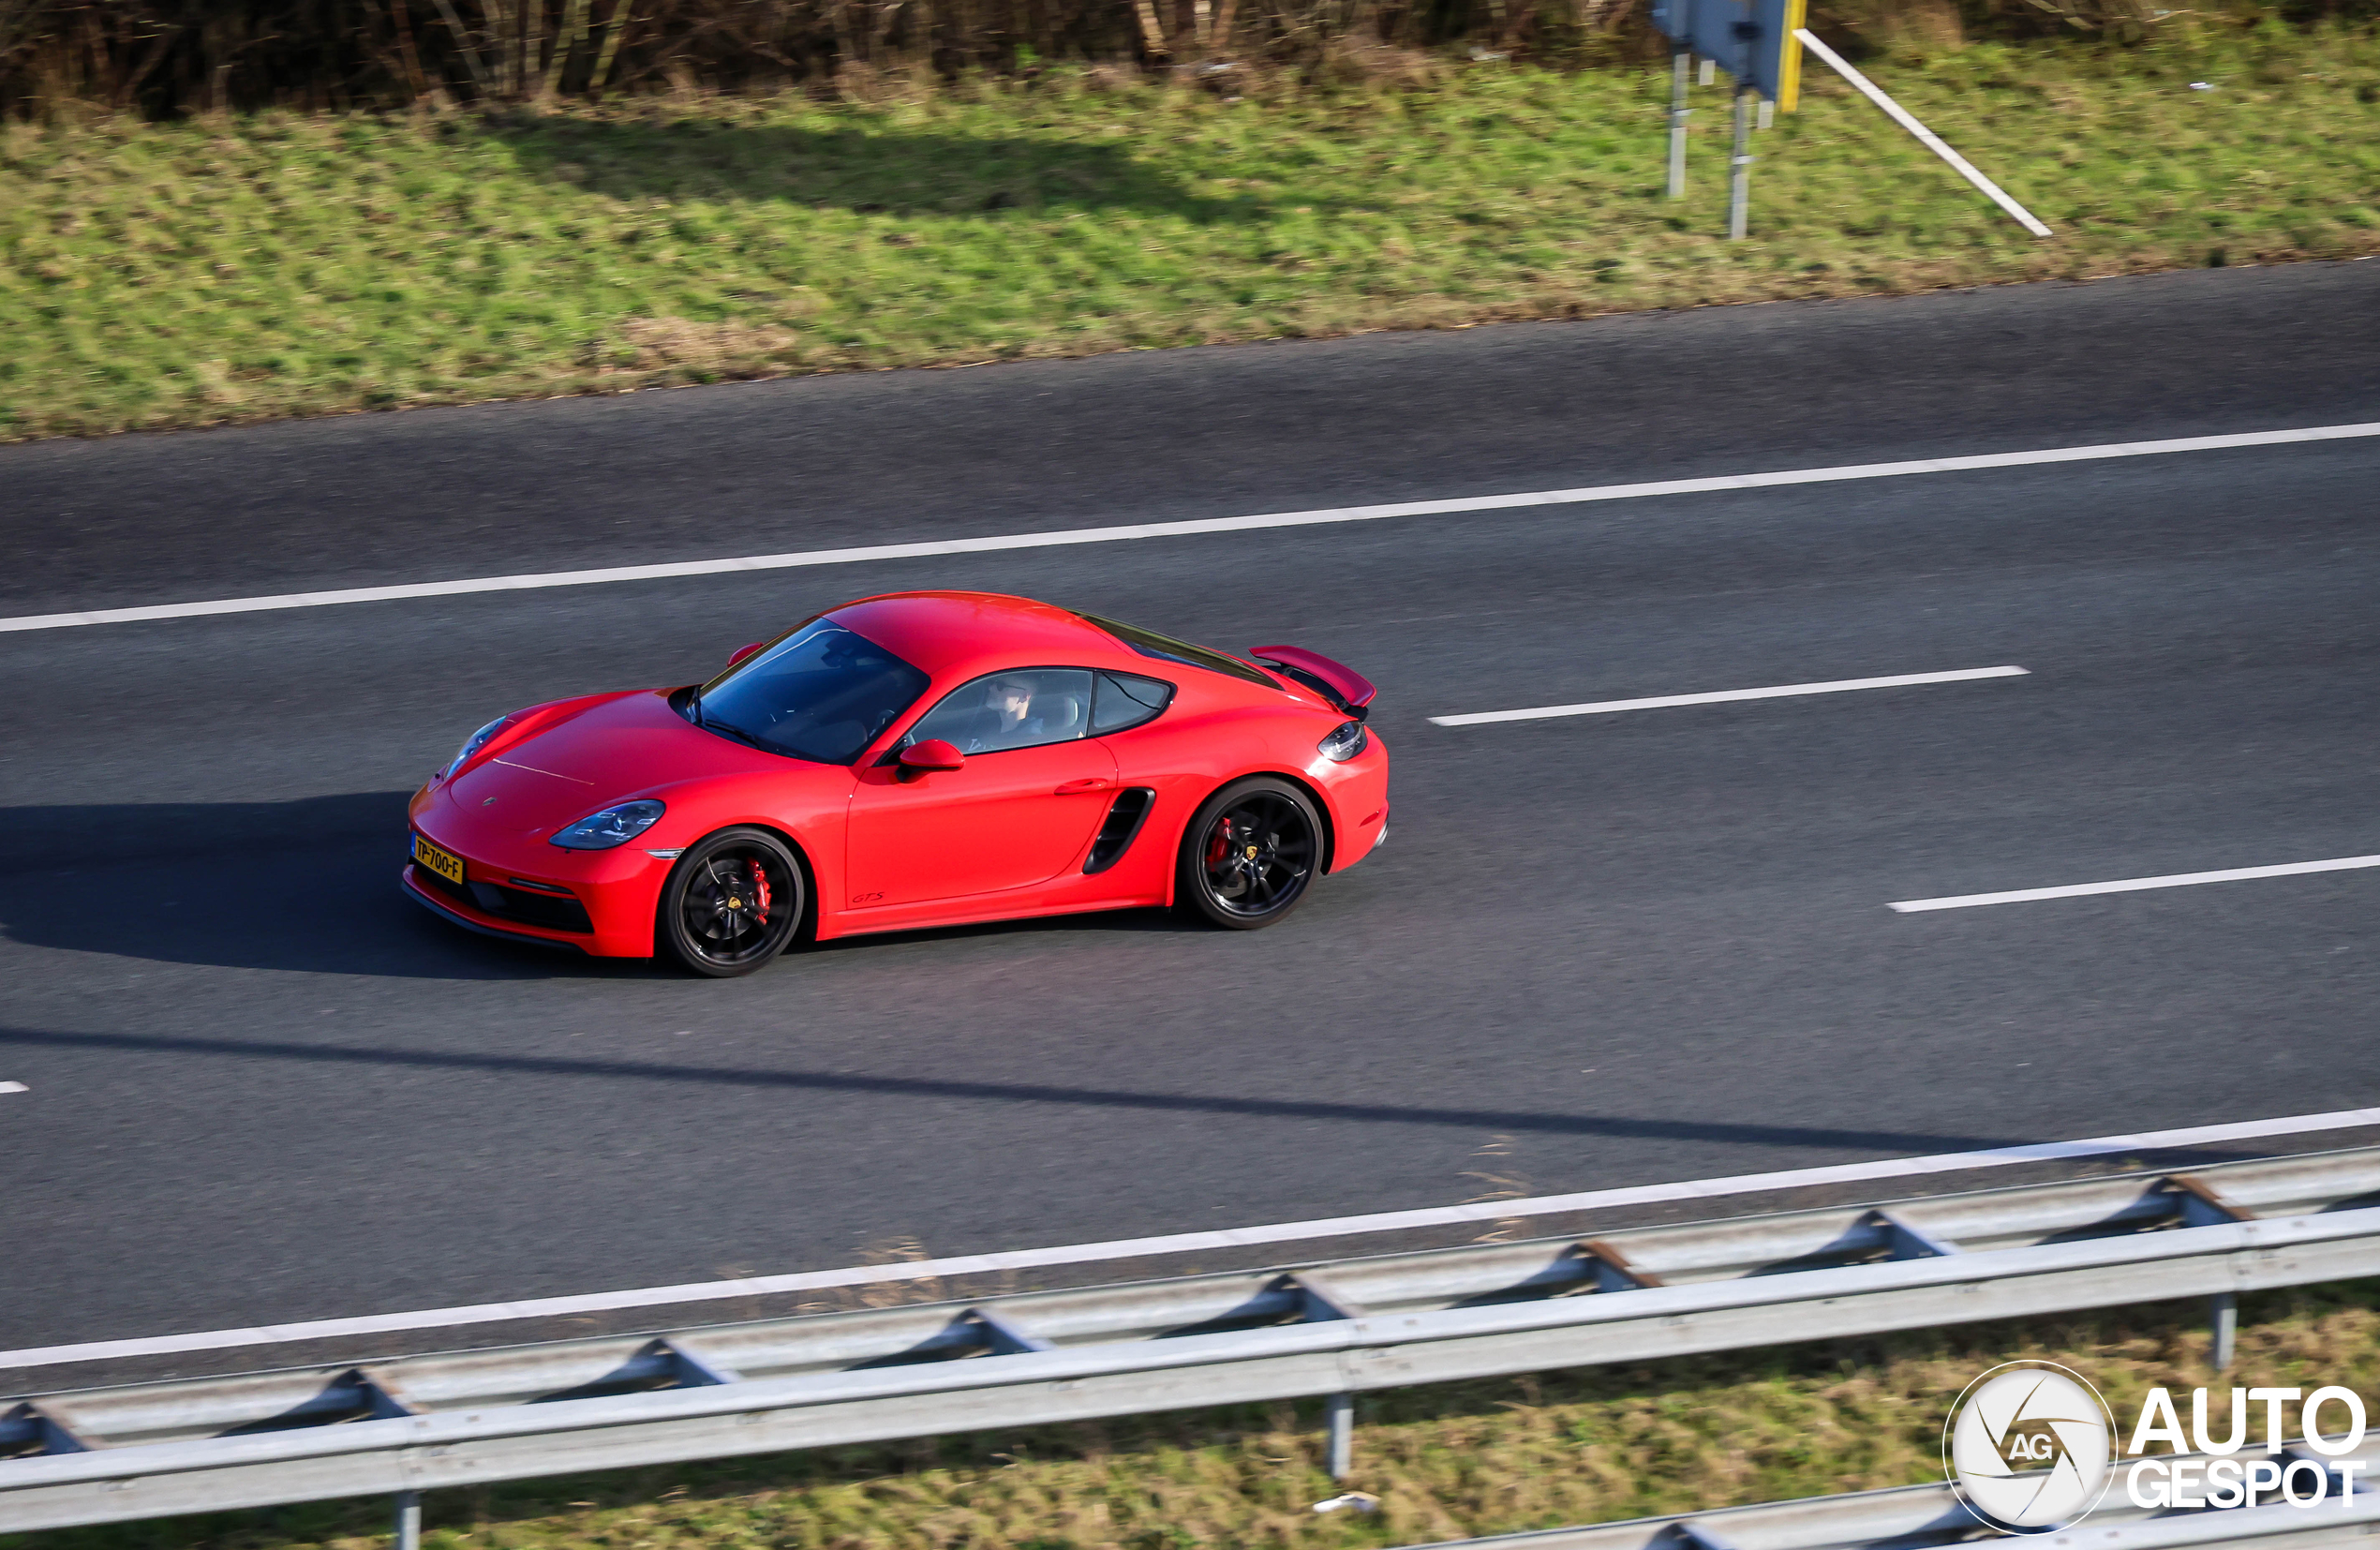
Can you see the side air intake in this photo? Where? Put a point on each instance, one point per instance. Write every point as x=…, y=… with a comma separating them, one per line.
x=1124, y=818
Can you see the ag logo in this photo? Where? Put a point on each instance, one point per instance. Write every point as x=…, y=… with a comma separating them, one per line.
x=2029, y=1447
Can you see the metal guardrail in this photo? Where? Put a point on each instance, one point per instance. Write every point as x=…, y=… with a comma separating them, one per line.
x=425, y=1422
x=1922, y=1517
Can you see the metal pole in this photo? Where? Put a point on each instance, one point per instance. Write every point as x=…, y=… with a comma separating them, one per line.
x=2224, y=1308
x=1678, y=110
x=1341, y=1410
x=1926, y=137
x=1739, y=186
x=408, y=1520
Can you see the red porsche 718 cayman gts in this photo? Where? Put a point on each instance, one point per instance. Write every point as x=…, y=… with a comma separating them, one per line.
x=917, y=760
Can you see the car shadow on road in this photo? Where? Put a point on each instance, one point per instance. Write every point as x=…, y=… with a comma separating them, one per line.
x=310, y=886
x=1056, y=1098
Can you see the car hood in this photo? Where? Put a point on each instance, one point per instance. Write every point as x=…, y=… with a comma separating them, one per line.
x=632, y=745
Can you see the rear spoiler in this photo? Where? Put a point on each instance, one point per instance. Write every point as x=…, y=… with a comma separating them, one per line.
x=1341, y=685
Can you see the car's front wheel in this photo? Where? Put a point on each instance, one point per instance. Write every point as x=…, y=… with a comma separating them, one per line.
x=732, y=902
x=1250, y=854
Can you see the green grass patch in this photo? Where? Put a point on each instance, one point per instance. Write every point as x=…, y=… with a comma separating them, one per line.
x=209, y=272
x=1448, y=1461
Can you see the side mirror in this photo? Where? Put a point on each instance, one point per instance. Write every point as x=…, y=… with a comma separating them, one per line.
x=743, y=651
x=933, y=754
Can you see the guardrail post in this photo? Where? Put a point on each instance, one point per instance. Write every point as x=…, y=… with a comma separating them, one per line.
x=1002, y=1336
x=1319, y=1301
x=1612, y=1270
x=408, y=1520
x=2203, y=1205
x=1701, y=1536
x=1342, y=1411
x=1906, y=1239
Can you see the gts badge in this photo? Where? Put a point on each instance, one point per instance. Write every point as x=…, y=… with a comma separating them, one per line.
x=867, y=898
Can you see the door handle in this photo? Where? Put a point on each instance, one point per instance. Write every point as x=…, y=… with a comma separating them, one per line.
x=1076, y=788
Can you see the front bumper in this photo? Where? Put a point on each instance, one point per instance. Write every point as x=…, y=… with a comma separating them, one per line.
x=600, y=903
x=434, y=900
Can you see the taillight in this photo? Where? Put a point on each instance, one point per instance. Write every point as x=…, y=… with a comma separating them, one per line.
x=1346, y=740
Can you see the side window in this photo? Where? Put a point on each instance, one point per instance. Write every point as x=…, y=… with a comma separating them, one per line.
x=1025, y=709
x=1124, y=700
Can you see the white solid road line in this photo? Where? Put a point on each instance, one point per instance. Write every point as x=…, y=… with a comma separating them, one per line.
x=1203, y=525
x=2134, y=885
x=1187, y=1242
x=1604, y=707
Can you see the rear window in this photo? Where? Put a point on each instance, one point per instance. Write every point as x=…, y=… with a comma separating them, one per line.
x=1126, y=699
x=1166, y=649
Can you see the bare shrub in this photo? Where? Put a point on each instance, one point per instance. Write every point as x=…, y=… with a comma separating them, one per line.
x=1927, y=26
x=163, y=58
x=1368, y=61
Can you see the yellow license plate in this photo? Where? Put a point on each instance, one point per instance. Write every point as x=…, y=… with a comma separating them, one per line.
x=447, y=865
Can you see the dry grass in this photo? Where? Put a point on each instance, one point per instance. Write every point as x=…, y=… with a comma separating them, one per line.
x=1460, y=1460
x=229, y=270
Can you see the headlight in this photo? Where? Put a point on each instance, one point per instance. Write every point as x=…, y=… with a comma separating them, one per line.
x=613, y=826
x=1346, y=740
x=476, y=741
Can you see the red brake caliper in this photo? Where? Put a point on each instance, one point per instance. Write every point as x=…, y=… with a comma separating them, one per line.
x=1220, y=844
x=760, y=887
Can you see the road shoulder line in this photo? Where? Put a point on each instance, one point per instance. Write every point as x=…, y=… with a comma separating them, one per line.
x=1134, y=1249
x=1177, y=529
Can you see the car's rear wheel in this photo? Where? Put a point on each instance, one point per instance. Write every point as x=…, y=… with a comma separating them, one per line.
x=732, y=902
x=1250, y=854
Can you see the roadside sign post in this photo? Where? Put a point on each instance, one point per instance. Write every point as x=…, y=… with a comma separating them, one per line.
x=1739, y=179
x=1757, y=42
x=1679, y=62
x=1760, y=43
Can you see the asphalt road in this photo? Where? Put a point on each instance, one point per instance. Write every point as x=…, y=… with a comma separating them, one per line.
x=262, y=1086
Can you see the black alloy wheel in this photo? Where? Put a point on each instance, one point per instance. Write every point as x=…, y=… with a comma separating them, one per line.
x=732, y=902
x=1250, y=853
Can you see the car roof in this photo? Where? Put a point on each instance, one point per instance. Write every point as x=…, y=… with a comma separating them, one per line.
x=962, y=634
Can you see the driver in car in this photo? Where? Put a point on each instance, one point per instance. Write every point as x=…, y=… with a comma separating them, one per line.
x=1021, y=717
x=1011, y=702
x=1017, y=713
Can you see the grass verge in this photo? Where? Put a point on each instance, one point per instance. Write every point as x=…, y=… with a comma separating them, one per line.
x=210, y=272
x=1462, y=1459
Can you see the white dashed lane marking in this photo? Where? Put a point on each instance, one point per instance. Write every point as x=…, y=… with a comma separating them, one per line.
x=1658, y=702
x=2133, y=884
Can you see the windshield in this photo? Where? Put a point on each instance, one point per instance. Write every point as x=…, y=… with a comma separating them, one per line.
x=823, y=693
